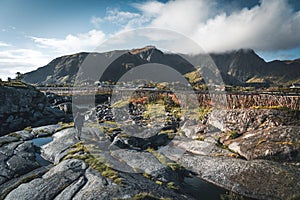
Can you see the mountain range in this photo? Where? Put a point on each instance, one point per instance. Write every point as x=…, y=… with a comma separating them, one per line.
x=239, y=67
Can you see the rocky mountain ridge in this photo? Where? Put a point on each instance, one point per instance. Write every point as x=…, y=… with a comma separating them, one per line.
x=240, y=67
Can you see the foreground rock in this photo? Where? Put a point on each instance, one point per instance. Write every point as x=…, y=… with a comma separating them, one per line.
x=16, y=158
x=97, y=168
x=100, y=147
x=271, y=134
x=52, y=183
x=76, y=179
x=258, y=179
x=200, y=147
x=145, y=162
x=10, y=185
x=278, y=143
x=57, y=149
x=244, y=120
x=18, y=155
x=22, y=106
x=128, y=164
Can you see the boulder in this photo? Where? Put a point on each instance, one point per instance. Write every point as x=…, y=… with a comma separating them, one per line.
x=217, y=118
x=259, y=179
x=8, y=149
x=125, y=141
x=62, y=141
x=69, y=192
x=52, y=183
x=44, y=131
x=16, y=158
x=20, y=165
x=244, y=120
x=140, y=161
x=25, y=106
x=145, y=162
x=25, y=135
x=7, y=139
x=26, y=150
x=94, y=184
x=99, y=187
x=200, y=147
x=9, y=185
x=277, y=143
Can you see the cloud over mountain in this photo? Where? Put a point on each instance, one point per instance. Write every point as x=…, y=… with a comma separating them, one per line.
x=271, y=25
x=12, y=61
x=72, y=43
x=267, y=26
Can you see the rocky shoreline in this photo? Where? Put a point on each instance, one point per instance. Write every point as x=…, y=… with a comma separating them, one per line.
x=156, y=170
x=251, y=152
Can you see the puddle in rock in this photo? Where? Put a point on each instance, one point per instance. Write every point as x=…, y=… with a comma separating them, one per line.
x=41, y=141
x=41, y=160
x=201, y=189
x=38, y=142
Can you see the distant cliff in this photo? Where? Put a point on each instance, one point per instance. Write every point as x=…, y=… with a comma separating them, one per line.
x=240, y=67
x=60, y=70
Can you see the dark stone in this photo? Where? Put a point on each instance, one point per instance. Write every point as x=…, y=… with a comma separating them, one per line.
x=52, y=183
x=277, y=143
x=259, y=179
x=13, y=183
x=7, y=139
x=21, y=165
x=159, y=140
x=25, y=106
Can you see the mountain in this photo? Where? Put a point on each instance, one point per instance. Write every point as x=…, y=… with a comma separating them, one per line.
x=65, y=69
x=241, y=64
x=58, y=71
x=240, y=67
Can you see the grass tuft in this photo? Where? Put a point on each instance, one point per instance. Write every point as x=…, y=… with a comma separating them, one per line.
x=172, y=186
x=29, y=129
x=231, y=196
x=15, y=135
x=97, y=164
x=64, y=126
x=147, y=196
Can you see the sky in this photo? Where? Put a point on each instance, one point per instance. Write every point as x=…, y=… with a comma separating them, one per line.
x=33, y=32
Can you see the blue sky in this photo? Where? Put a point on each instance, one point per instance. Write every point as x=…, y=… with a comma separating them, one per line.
x=33, y=32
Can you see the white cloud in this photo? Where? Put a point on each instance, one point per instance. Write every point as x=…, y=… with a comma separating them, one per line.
x=96, y=21
x=3, y=44
x=20, y=56
x=120, y=17
x=124, y=19
x=20, y=60
x=271, y=25
x=182, y=15
x=72, y=43
x=25, y=60
x=150, y=8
